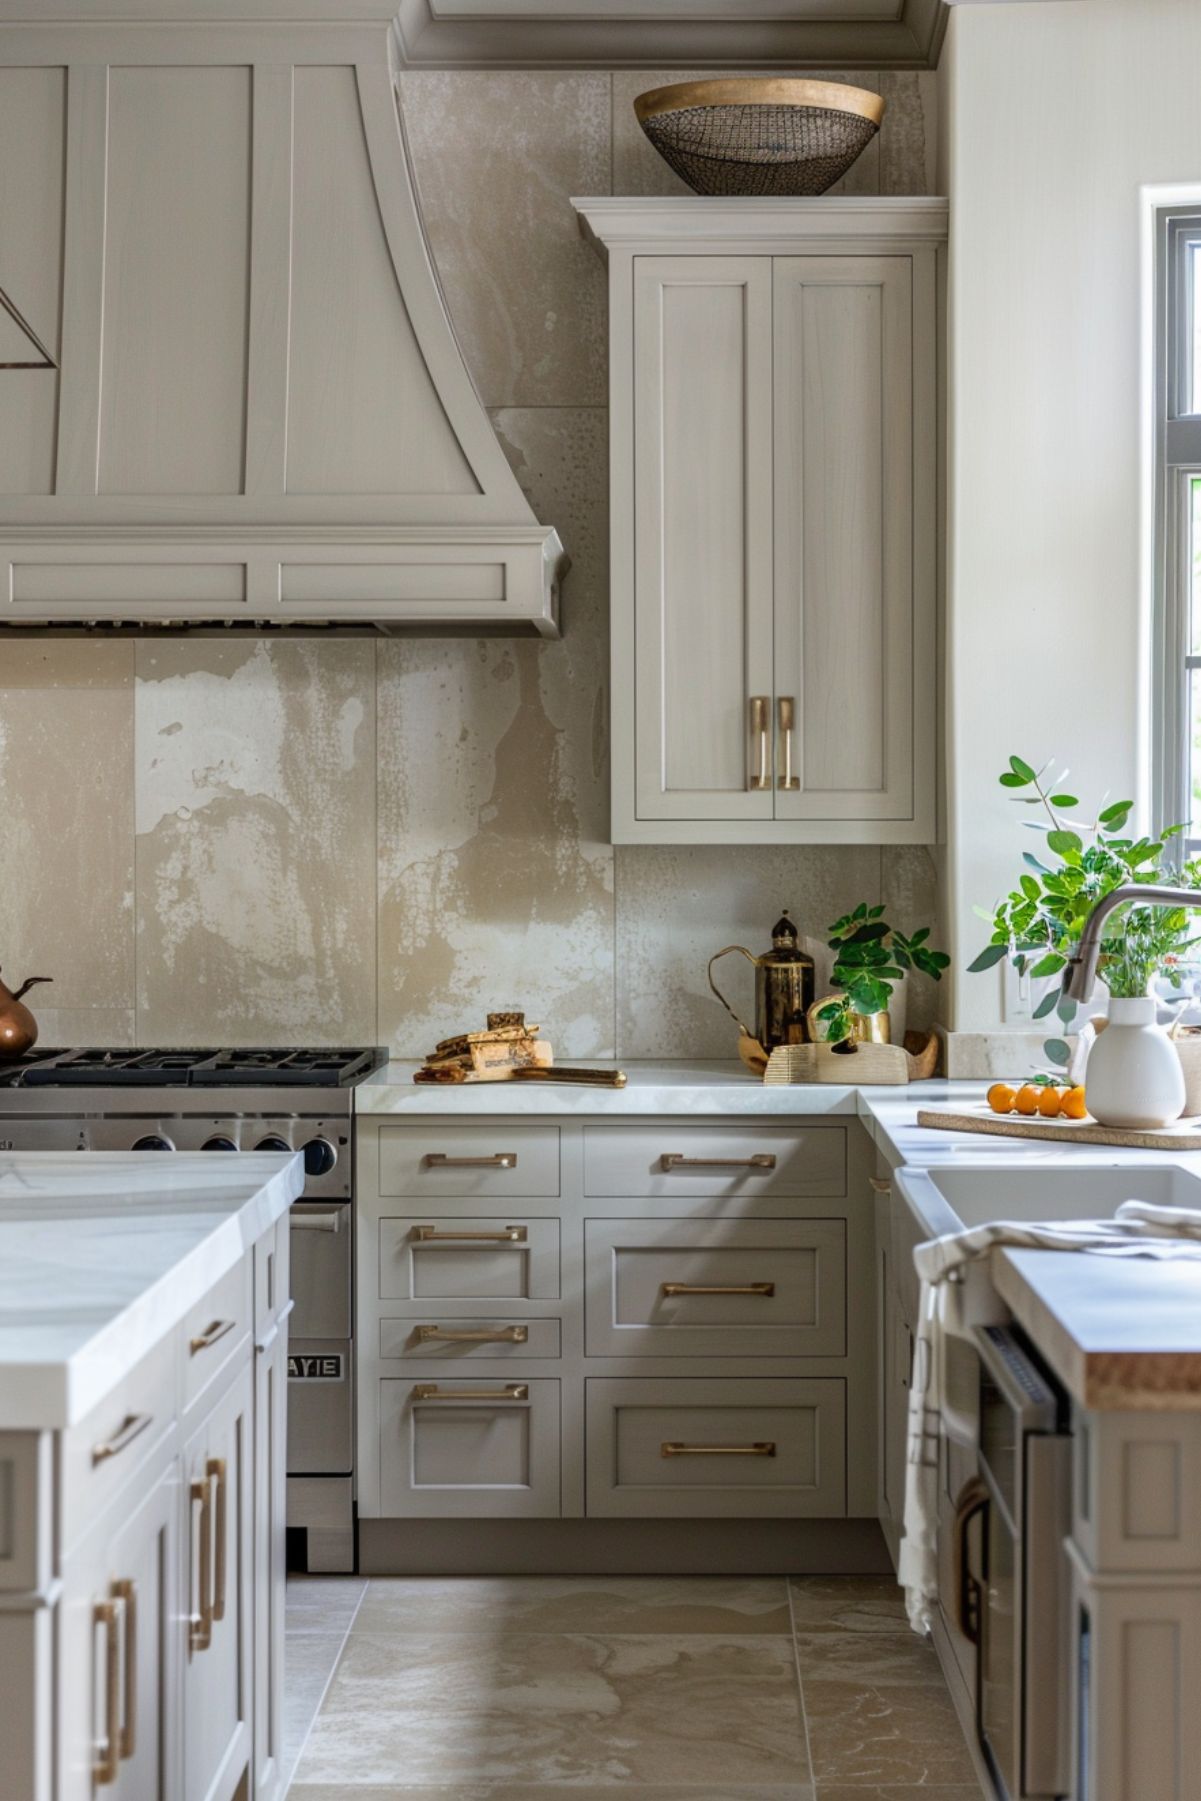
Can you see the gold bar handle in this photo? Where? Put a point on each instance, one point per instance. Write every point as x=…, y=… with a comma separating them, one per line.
x=200, y=1630
x=760, y=733
x=786, y=718
x=881, y=1184
x=766, y=1449
x=105, y=1769
x=512, y=1391
x=215, y=1467
x=498, y=1160
x=131, y=1427
x=764, y=1288
x=431, y=1235
x=761, y=1160
x=126, y=1591
x=210, y=1335
x=494, y=1335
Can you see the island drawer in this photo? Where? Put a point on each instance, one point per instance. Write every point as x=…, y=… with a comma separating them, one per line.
x=494, y=1161
x=215, y=1329
x=105, y=1451
x=653, y=1161
x=437, y=1338
x=483, y=1448
x=503, y=1257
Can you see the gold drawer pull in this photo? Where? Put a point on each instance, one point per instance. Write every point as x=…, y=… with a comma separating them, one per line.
x=431, y=1235
x=786, y=717
x=881, y=1184
x=489, y=1335
x=131, y=1427
x=126, y=1591
x=761, y=734
x=215, y=1467
x=498, y=1160
x=764, y=1288
x=766, y=1449
x=761, y=1160
x=200, y=1630
x=512, y=1391
x=105, y=1769
x=210, y=1335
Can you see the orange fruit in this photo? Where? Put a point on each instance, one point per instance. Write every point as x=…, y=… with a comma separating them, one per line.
x=1049, y=1103
x=1026, y=1099
x=1001, y=1097
x=1072, y=1105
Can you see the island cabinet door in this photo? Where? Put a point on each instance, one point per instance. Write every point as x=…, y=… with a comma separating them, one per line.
x=270, y=1559
x=219, y=1568
x=119, y=1656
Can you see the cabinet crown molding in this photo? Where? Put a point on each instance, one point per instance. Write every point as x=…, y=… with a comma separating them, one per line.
x=758, y=226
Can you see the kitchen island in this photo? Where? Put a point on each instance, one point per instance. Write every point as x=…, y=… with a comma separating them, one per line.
x=143, y=1383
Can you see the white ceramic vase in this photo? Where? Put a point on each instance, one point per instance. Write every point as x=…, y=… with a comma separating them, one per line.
x=1134, y=1076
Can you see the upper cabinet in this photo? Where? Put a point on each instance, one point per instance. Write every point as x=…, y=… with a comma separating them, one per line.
x=774, y=475
x=229, y=388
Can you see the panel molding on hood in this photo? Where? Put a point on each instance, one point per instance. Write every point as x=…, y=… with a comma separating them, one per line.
x=260, y=413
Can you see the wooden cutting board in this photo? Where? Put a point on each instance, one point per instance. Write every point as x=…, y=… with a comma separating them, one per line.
x=1183, y=1135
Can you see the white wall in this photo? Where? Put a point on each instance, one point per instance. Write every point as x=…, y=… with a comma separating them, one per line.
x=1054, y=113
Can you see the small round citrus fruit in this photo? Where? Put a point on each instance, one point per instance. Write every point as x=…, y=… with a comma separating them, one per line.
x=1072, y=1105
x=1026, y=1099
x=1049, y=1103
x=1001, y=1097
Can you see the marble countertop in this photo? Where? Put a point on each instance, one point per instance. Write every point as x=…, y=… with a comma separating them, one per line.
x=652, y=1088
x=103, y=1253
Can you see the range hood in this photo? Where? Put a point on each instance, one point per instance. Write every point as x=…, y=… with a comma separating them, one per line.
x=230, y=392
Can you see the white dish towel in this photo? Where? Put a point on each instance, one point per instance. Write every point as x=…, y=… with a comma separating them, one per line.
x=1137, y=1230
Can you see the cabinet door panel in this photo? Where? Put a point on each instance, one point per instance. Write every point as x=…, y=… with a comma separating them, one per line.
x=702, y=476
x=480, y=1449
x=270, y=1561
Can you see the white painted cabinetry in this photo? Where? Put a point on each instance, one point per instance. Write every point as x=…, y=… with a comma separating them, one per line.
x=774, y=469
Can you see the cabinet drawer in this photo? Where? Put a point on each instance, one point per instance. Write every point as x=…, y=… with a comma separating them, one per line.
x=740, y=1448
x=215, y=1329
x=750, y=1288
x=498, y=1161
x=437, y=1339
x=482, y=1448
x=650, y=1161
x=503, y=1258
x=106, y=1449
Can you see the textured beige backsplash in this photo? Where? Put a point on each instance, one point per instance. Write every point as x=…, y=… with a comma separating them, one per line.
x=302, y=840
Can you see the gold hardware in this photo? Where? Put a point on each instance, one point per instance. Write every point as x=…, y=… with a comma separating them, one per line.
x=431, y=1235
x=211, y=1334
x=784, y=981
x=761, y=733
x=215, y=1467
x=105, y=1770
x=131, y=1427
x=769, y=90
x=881, y=1184
x=498, y=1160
x=786, y=719
x=200, y=1630
x=512, y=1391
x=761, y=1160
x=764, y=1449
x=499, y=1335
x=562, y=1072
x=763, y=1288
x=126, y=1591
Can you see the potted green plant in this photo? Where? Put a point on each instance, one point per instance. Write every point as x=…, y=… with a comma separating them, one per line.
x=870, y=958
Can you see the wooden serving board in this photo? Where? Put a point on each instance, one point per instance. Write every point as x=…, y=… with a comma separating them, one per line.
x=1183, y=1135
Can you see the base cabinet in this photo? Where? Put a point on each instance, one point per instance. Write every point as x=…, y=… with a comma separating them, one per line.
x=270, y=1559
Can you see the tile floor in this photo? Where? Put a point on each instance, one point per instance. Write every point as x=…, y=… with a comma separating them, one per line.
x=524, y=1689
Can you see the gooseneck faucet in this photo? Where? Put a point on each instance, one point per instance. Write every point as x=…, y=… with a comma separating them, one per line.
x=1081, y=972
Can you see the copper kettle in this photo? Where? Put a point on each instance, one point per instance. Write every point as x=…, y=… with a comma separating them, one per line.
x=18, y=1027
x=783, y=988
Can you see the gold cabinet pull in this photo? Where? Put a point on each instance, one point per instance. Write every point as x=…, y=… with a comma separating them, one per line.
x=761, y=1160
x=512, y=1391
x=126, y=1591
x=881, y=1184
x=786, y=719
x=760, y=776
x=767, y=1289
x=200, y=1631
x=764, y=1449
x=215, y=1467
x=498, y=1160
x=217, y=1329
x=131, y=1427
x=431, y=1235
x=487, y=1335
x=105, y=1769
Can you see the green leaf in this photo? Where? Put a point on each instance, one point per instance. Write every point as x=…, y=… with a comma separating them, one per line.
x=1064, y=844
x=1067, y=1009
x=1021, y=769
x=1058, y=1052
x=1009, y=780
x=989, y=957
x=1032, y=861
x=1049, y=965
x=831, y=1010
x=1117, y=814
x=1047, y=1005
x=1030, y=888
x=1064, y=800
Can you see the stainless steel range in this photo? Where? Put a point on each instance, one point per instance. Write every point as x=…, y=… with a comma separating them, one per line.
x=241, y=1100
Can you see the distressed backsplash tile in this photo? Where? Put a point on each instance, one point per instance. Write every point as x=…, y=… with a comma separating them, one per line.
x=255, y=850
x=910, y=893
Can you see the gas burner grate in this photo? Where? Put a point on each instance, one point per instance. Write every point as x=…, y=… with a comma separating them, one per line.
x=300, y=1069
x=192, y=1069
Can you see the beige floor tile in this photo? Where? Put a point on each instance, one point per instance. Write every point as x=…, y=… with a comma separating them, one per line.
x=500, y=1605
x=940, y=1791
x=322, y=1603
x=309, y=1660
x=848, y=1604
x=566, y=1709
x=882, y=1730
x=504, y=1791
x=867, y=1659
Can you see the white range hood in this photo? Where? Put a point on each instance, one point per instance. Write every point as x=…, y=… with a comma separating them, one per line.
x=230, y=393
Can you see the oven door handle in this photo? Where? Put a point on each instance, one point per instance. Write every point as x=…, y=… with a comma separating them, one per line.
x=311, y=1219
x=974, y=1498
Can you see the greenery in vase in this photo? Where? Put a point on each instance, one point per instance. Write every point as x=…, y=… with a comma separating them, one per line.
x=1038, y=924
x=870, y=957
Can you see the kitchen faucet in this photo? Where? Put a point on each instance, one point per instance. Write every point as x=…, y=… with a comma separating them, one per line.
x=1081, y=972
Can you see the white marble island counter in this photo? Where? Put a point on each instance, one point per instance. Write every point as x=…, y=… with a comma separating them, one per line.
x=102, y=1254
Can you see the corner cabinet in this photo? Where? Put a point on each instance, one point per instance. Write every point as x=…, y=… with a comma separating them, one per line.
x=775, y=500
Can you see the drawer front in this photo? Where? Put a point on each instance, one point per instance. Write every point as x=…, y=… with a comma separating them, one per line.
x=649, y=1161
x=732, y=1449
x=497, y=1162
x=438, y=1339
x=715, y=1288
x=106, y=1449
x=484, y=1448
x=215, y=1329
x=502, y=1258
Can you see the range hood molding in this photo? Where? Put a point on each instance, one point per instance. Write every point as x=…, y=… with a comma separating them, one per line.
x=260, y=411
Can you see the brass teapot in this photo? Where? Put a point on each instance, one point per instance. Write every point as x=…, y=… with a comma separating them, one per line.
x=784, y=981
x=18, y=1027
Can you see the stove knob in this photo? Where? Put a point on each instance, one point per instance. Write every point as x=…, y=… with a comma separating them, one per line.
x=273, y=1143
x=153, y=1141
x=219, y=1143
x=319, y=1157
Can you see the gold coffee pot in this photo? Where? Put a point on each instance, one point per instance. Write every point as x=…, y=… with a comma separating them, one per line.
x=784, y=983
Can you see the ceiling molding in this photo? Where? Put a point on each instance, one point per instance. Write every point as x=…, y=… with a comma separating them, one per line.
x=694, y=34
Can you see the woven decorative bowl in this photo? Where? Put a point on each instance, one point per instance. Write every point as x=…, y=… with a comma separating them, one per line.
x=760, y=137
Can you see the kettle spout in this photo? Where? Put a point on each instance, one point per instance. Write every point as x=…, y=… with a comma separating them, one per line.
x=28, y=983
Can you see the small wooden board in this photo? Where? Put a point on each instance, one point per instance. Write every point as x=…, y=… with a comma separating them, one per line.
x=1183, y=1135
